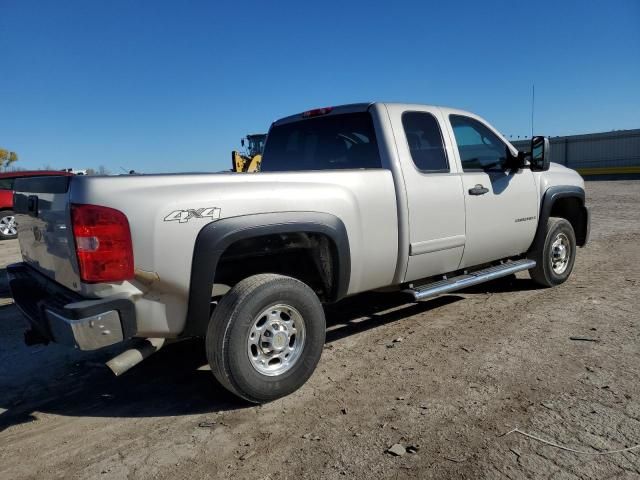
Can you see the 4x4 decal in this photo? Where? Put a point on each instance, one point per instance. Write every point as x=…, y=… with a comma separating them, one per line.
x=184, y=216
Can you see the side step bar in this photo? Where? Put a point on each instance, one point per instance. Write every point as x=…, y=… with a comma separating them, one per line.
x=463, y=281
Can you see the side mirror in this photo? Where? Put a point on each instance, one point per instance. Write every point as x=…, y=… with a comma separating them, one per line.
x=514, y=162
x=242, y=142
x=540, y=153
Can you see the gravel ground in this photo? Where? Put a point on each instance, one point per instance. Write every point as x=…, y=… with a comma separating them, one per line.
x=448, y=377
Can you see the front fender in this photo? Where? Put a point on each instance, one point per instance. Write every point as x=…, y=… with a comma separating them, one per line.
x=553, y=194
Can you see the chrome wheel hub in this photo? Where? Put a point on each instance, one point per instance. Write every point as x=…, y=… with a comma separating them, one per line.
x=8, y=225
x=276, y=339
x=560, y=253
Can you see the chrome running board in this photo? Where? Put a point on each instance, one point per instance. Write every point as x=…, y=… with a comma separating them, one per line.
x=474, y=278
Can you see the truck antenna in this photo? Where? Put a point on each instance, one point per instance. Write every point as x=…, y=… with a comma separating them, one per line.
x=533, y=103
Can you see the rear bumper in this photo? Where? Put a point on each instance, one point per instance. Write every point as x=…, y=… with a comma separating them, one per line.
x=56, y=314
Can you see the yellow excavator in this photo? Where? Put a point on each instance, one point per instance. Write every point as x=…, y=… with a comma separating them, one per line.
x=249, y=160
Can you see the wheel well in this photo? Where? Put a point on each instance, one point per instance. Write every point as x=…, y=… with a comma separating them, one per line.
x=573, y=210
x=306, y=256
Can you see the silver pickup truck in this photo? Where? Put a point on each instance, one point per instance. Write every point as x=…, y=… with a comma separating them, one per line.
x=354, y=198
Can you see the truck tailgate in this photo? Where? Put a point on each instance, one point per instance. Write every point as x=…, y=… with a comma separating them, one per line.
x=44, y=227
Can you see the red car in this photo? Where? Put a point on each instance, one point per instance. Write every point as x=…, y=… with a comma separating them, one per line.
x=7, y=220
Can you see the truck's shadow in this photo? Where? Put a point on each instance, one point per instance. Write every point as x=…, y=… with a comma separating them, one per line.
x=174, y=381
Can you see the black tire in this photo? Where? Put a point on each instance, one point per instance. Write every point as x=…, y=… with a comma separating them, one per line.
x=4, y=215
x=227, y=339
x=558, y=230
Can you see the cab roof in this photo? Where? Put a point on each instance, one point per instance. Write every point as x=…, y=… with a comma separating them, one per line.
x=34, y=173
x=362, y=107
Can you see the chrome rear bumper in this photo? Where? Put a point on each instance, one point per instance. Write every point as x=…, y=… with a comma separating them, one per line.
x=56, y=314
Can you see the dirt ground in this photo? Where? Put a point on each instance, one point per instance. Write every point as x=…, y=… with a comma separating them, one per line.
x=463, y=370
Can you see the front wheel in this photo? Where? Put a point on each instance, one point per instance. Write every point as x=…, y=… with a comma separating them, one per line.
x=265, y=337
x=555, y=254
x=8, y=227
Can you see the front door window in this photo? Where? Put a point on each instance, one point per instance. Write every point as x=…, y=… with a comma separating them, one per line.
x=479, y=147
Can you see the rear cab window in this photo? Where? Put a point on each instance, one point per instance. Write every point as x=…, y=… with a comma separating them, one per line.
x=331, y=142
x=425, y=142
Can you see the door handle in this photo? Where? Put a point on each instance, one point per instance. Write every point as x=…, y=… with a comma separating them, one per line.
x=478, y=190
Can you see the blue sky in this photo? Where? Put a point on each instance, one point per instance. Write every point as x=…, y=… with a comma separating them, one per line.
x=164, y=86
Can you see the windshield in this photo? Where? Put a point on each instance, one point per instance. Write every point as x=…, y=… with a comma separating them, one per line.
x=6, y=183
x=332, y=142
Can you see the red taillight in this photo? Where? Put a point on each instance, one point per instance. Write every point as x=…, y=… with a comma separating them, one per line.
x=316, y=112
x=103, y=243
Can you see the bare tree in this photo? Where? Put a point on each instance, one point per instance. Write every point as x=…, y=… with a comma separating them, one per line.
x=7, y=158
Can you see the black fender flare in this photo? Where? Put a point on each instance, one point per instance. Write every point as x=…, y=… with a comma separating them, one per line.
x=551, y=195
x=214, y=238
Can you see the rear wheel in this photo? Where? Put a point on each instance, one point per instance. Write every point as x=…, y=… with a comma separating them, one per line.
x=555, y=254
x=265, y=337
x=8, y=227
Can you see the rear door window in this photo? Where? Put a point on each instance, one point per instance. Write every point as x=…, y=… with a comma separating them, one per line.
x=425, y=141
x=332, y=142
